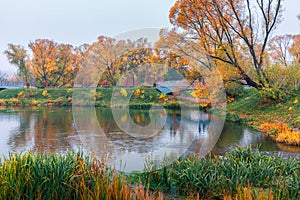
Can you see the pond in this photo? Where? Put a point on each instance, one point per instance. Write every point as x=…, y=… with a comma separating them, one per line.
x=42, y=129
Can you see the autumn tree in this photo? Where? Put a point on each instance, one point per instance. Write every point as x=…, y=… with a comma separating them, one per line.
x=279, y=48
x=102, y=56
x=233, y=32
x=133, y=58
x=181, y=55
x=43, y=61
x=164, y=49
x=82, y=53
x=17, y=55
x=158, y=65
x=294, y=49
x=113, y=57
x=3, y=77
x=54, y=64
x=68, y=63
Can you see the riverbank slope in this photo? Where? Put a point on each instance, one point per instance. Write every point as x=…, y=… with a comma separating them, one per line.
x=278, y=120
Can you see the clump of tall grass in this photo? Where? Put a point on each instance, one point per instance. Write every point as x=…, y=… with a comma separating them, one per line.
x=224, y=176
x=239, y=174
x=70, y=176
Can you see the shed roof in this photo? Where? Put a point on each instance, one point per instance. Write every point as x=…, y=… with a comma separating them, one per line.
x=164, y=89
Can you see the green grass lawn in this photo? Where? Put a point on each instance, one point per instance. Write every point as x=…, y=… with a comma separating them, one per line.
x=63, y=96
x=143, y=99
x=250, y=109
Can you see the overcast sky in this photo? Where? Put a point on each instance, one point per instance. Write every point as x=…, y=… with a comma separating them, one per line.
x=82, y=21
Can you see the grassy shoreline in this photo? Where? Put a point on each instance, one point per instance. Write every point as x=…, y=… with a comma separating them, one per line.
x=250, y=110
x=101, y=98
x=62, y=97
x=268, y=118
x=238, y=173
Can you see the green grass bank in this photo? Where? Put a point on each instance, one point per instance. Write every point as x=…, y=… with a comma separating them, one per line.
x=239, y=173
x=249, y=108
x=140, y=98
x=278, y=120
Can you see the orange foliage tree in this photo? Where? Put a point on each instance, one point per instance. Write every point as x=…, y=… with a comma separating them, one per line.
x=17, y=55
x=279, y=48
x=112, y=58
x=104, y=57
x=191, y=61
x=295, y=48
x=233, y=32
x=54, y=64
x=175, y=61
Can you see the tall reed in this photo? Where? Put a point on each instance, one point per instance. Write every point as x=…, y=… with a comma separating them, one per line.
x=70, y=176
x=225, y=175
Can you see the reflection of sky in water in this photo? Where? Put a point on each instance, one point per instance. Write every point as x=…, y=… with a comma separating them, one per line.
x=52, y=130
x=173, y=140
x=7, y=123
x=24, y=129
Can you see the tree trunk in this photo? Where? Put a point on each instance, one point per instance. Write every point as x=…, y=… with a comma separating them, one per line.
x=250, y=82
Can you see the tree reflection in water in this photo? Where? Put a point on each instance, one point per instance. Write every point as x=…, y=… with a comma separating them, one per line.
x=52, y=130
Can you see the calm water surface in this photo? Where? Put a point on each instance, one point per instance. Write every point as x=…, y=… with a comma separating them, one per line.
x=53, y=130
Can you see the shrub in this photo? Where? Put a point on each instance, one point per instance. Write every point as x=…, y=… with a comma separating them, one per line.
x=123, y=92
x=283, y=82
x=45, y=93
x=98, y=95
x=137, y=92
x=296, y=122
x=273, y=129
x=289, y=137
x=21, y=94
x=2, y=102
x=270, y=95
x=233, y=90
x=34, y=102
x=31, y=92
x=70, y=91
x=285, y=78
x=13, y=101
x=281, y=133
